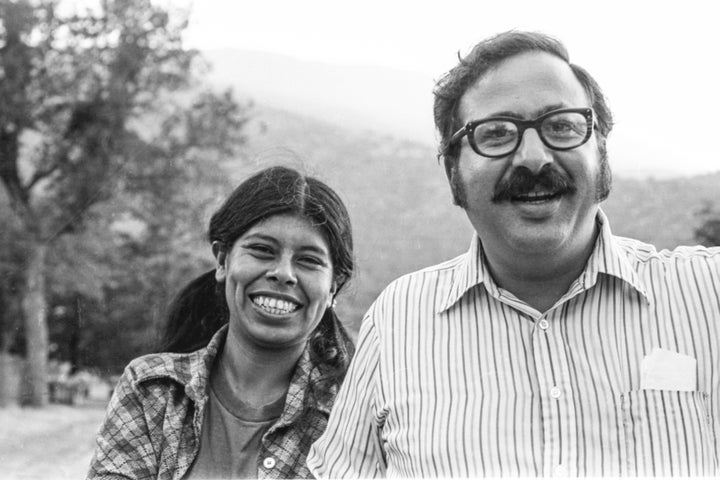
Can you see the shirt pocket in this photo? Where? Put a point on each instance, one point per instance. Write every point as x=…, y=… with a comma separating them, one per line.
x=667, y=433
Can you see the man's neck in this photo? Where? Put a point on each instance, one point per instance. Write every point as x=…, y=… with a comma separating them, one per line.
x=540, y=280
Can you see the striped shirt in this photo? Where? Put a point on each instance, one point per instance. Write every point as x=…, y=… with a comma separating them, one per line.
x=456, y=377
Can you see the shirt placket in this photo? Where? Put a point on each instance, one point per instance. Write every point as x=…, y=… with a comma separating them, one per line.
x=556, y=399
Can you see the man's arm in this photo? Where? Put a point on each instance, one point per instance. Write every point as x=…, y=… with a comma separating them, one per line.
x=351, y=446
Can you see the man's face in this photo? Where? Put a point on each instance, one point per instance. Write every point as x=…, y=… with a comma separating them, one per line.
x=509, y=210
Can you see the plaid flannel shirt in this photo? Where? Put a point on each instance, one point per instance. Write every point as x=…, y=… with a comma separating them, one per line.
x=152, y=428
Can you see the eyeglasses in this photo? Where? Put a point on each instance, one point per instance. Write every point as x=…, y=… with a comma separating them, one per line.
x=494, y=137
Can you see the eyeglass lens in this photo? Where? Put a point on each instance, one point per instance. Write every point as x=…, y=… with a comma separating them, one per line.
x=562, y=130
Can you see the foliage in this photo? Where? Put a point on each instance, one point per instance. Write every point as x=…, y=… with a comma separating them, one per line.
x=708, y=233
x=98, y=151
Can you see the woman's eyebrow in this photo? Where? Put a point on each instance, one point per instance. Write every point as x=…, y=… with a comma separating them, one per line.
x=316, y=249
x=322, y=250
x=260, y=236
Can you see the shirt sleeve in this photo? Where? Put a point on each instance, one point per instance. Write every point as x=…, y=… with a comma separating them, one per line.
x=123, y=447
x=351, y=446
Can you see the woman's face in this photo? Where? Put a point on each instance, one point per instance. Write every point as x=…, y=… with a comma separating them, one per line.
x=278, y=281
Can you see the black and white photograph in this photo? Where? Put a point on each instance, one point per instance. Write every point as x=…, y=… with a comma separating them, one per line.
x=339, y=239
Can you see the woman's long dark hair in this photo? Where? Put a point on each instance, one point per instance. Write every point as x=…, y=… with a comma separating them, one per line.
x=200, y=309
x=194, y=315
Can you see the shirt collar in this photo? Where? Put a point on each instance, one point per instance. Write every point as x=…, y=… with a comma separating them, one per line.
x=305, y=373
x=196, y=385
x=607, y=258
x=468, y=271
x=192, y=370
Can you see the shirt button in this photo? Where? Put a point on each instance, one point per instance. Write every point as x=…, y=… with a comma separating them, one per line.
x=555, y=392
x=560, y=471
x=543, y=324
x=269, y=462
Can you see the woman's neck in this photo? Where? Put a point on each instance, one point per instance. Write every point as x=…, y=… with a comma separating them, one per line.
x=255, y=375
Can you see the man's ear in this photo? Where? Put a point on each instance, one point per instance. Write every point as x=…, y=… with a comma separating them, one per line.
x=220, y=254
x=448, y=162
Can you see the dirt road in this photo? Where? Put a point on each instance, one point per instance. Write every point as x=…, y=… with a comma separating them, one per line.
x=54, y=443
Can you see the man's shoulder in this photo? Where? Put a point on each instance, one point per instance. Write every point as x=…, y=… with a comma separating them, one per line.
x=644, y=253
x=422, y=290
x=433, y=272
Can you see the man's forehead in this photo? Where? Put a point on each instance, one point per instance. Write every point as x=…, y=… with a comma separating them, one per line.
x=524, y=85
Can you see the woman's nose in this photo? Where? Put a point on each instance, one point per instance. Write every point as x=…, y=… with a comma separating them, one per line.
x=283, y=271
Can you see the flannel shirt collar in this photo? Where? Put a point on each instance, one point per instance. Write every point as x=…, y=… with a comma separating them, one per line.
x=192, y=370
x=305, y=373
x=606, y=258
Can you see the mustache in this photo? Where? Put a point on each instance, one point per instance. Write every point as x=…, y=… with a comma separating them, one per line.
x=522, y=181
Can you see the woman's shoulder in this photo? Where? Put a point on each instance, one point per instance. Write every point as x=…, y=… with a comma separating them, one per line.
x=179, y=368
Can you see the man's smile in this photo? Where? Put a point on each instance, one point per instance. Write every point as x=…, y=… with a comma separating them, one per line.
x=536, y=197
x=522, y=186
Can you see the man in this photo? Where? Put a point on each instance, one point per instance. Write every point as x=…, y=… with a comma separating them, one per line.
x=551, y=347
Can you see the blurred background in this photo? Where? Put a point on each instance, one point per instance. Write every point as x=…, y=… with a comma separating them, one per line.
x=124, y=124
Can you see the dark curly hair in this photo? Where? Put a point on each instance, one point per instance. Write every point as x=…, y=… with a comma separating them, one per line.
x=200, y=309
x=485, y=56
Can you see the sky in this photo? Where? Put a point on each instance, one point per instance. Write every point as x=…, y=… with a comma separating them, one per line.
x=656, y=60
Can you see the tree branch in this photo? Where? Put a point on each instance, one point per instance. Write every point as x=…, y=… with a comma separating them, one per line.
x=40, y=174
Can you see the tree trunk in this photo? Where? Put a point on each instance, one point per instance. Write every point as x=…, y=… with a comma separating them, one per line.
x=6, y=387
x=34, y=308
x=74, y=342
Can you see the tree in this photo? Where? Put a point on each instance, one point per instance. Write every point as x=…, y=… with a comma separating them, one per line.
x=708, y=233
x=89, y=115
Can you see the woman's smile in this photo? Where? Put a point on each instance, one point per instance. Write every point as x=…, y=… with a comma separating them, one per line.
x=274, y=305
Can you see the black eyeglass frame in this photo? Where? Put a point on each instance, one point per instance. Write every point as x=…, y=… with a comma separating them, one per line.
x=522, y=125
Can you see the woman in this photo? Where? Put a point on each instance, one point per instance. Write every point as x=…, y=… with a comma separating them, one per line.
x=249, y=403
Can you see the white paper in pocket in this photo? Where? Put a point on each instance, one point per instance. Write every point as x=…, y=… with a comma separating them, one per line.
x=667, y=370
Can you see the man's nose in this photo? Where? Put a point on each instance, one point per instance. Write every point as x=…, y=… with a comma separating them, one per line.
x=283, y=271
x=532, y=152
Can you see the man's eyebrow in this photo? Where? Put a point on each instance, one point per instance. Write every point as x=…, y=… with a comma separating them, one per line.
x=550, y=108
x=513, y=114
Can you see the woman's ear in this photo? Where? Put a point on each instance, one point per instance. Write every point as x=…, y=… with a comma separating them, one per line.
x=220, y=254
x=333, y=292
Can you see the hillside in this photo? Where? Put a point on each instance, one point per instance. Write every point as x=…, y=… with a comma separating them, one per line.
x=390, y=100
x=400, y=202
x=661, y=212
x=399, y=103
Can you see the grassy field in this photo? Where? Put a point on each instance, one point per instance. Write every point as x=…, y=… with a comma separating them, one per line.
x=55, y=442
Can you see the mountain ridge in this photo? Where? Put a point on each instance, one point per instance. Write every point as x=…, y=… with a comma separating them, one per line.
x=389, y=101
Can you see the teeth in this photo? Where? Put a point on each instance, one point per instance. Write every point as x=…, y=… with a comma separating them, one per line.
x=275, y=306
x=535, y=196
